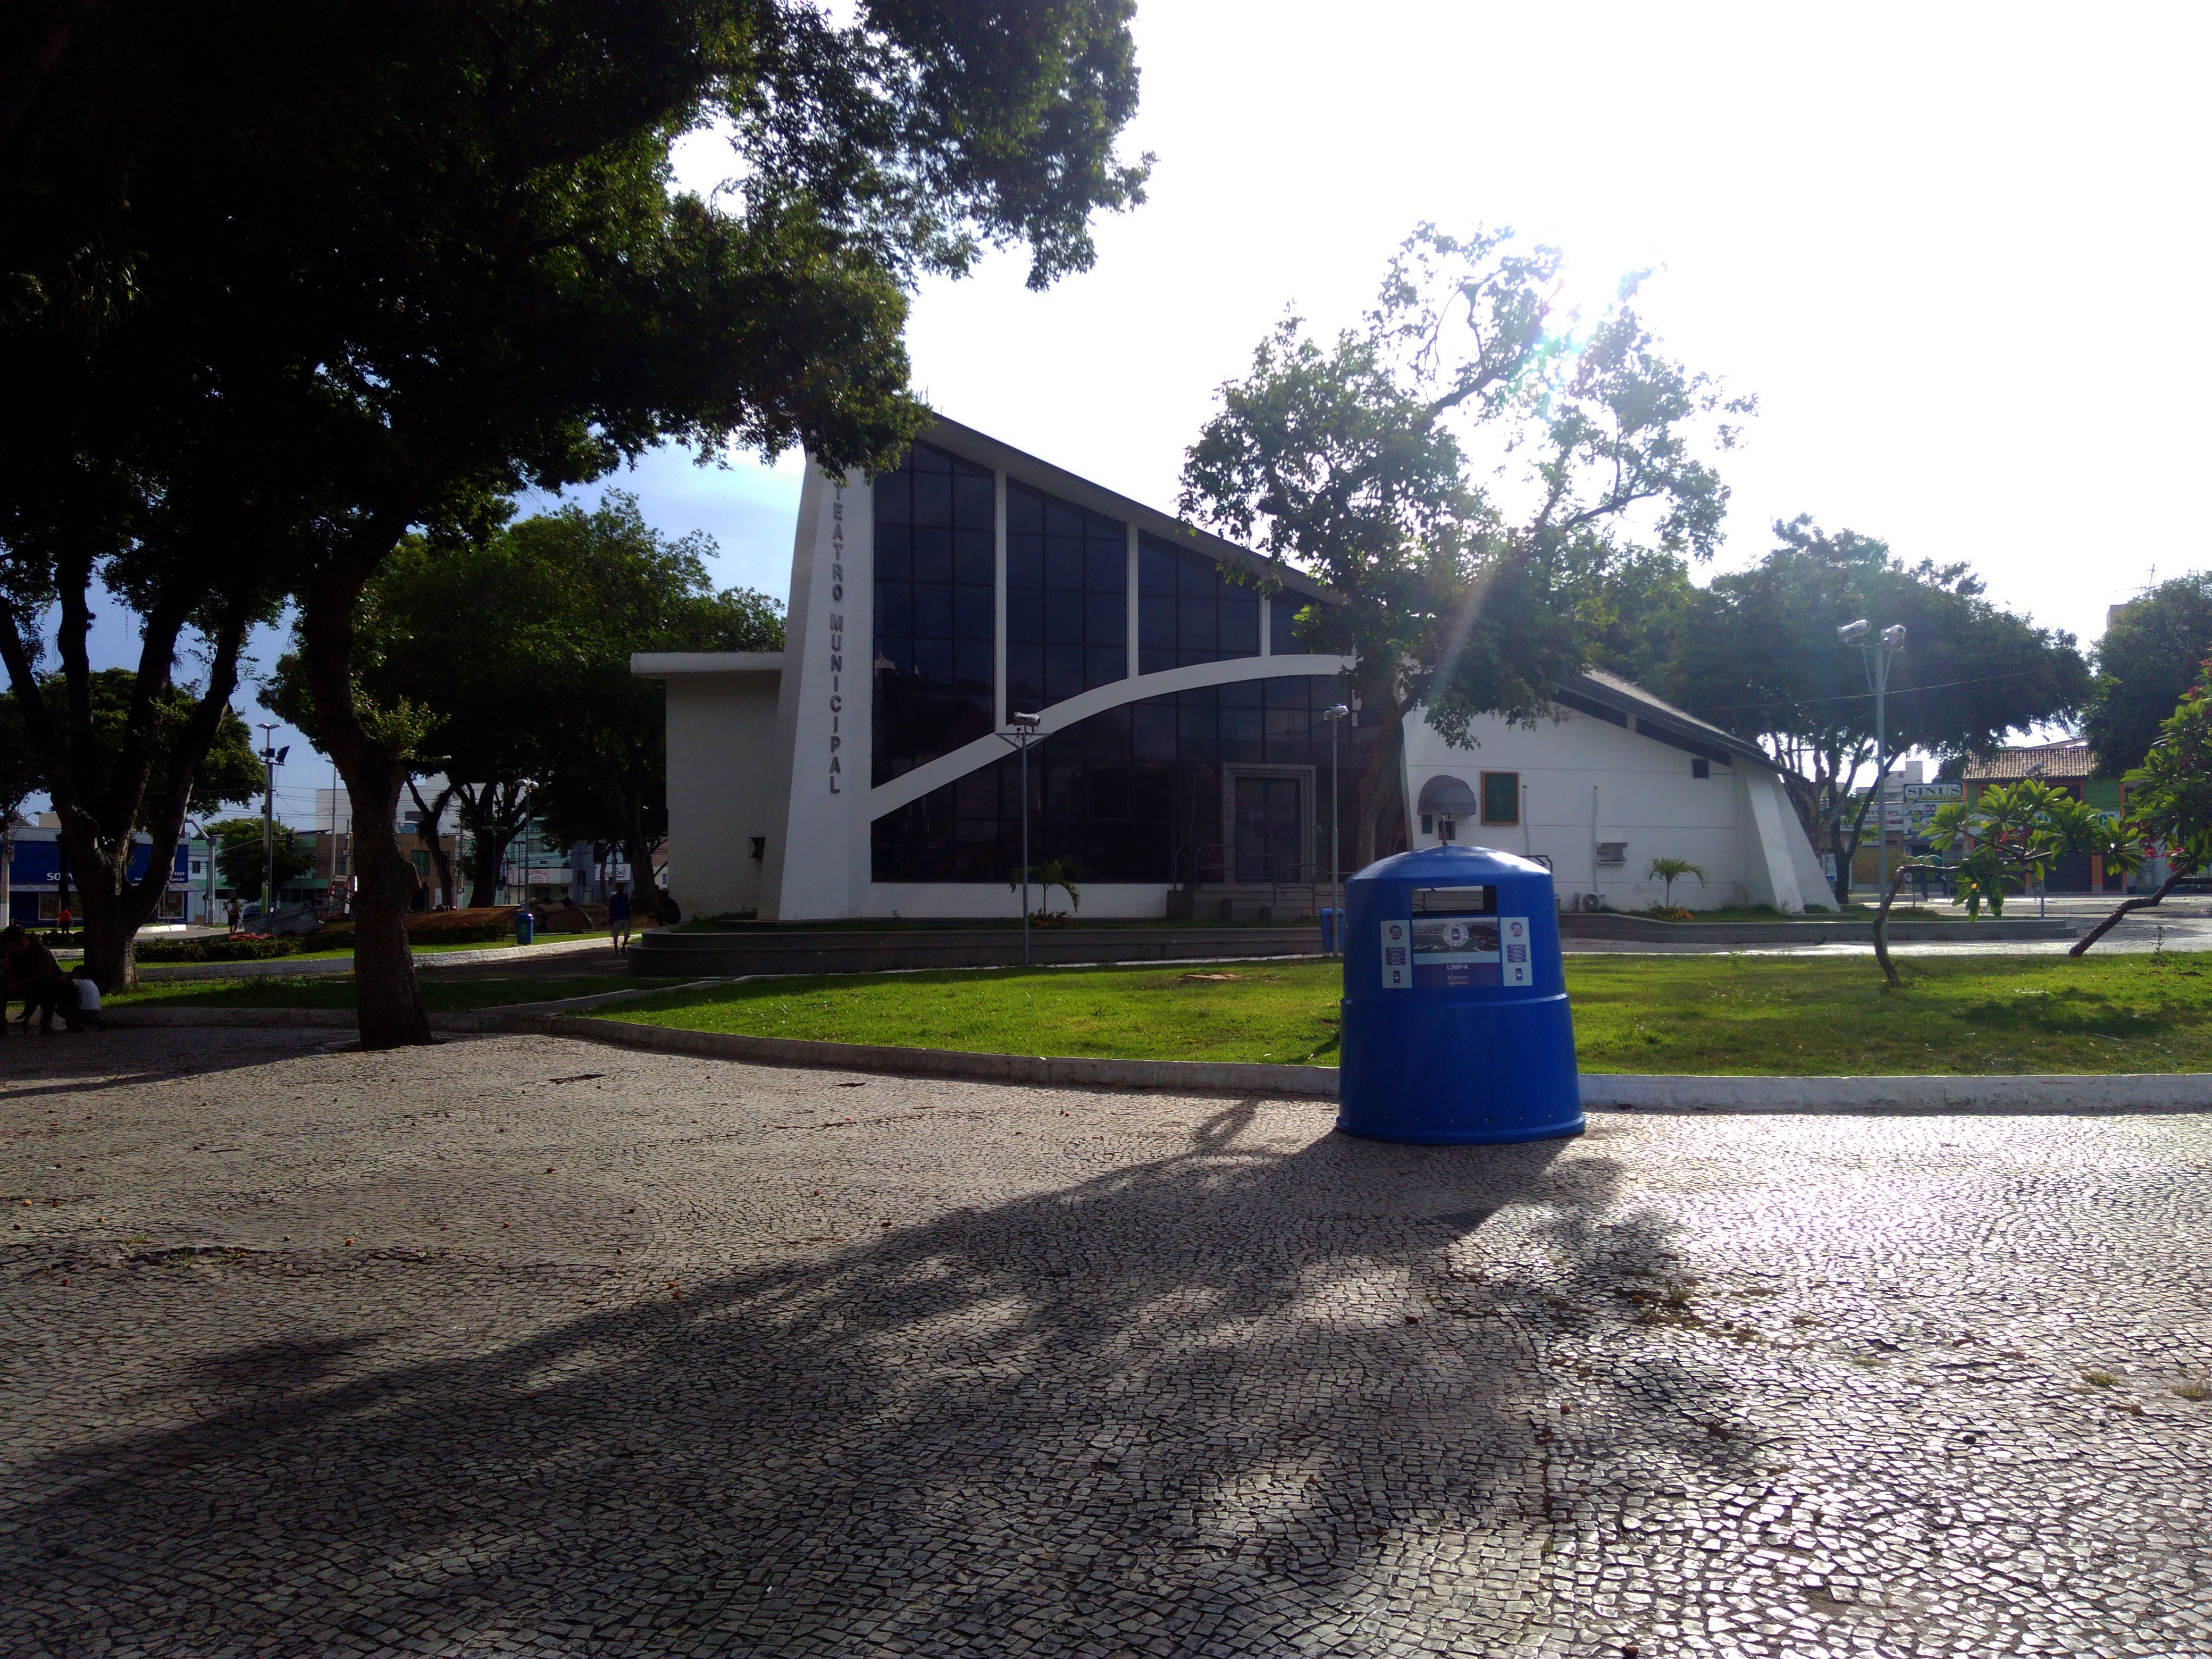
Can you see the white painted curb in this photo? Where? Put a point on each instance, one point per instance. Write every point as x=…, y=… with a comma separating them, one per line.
x=2063, y=1094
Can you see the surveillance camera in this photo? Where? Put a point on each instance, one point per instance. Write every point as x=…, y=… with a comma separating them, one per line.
x=1894, y=636
x=1027, y=722
x=1852, y=632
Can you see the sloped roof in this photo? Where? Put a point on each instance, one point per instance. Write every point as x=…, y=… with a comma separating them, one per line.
x=1606, y=694
x=2069, y=759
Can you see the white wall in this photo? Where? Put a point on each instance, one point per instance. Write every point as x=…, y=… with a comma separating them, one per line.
x=1639, y=791
x=722, y=790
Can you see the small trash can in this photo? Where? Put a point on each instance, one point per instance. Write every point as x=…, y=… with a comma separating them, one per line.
x=1330, y=928
x=526, y=928
x=1456, y=1029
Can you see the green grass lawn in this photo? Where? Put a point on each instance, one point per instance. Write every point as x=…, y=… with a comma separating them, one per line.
x=1749, y=1015
x=335, y=991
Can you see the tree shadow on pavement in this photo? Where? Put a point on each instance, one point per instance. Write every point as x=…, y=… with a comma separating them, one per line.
x=1267, y=1395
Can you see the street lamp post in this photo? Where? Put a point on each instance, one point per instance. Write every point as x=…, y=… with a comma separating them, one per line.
x=1888, y=643
x=272, y=757
x=1335, y=715
x=1023, y=733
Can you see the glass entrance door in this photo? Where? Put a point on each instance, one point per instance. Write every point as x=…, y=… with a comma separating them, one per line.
x=1270, y=822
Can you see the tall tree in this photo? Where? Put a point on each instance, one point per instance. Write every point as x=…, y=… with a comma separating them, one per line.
x=246, y=851
x=512, y=646
x=620, y=587
x=1357, y=460
x=1758, y=654
x=445, y=243
x=2155, y=649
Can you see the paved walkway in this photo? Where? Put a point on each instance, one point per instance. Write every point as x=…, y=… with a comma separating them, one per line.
x=517, y=1345
x=2177, y=925
x=581, y=953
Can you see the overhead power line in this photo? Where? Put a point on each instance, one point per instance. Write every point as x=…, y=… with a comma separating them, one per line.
x=1861, y=696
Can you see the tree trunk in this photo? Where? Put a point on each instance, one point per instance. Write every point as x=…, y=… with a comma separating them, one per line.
x=2173, y=878
x=431, y=826
x=109, y=920
x=494, y=818
x=1882, y=916
x=639, y=851
x=1381, y=798
x=388, y=1001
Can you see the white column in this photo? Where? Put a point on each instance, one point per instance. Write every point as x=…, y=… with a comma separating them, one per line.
x=1129, y=594
x=998, y=599
x=1266, y=626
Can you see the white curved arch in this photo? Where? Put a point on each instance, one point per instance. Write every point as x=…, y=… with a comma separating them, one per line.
x=950, y=768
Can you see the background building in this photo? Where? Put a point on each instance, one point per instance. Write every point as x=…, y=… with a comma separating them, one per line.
x=1181, y=765
x=34, y=872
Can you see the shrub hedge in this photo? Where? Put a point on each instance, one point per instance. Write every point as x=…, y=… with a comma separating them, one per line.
x=234, y=947
x=425, y=927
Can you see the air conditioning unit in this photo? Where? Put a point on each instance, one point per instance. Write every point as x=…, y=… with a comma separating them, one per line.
x=1613, y=852
x=1592, y=903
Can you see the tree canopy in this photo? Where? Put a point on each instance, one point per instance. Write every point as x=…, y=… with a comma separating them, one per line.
x=1756, y=653
x=504, y=657
x=1371, y=461
x=243, y=855
x=387, y=265
x=2155, y=649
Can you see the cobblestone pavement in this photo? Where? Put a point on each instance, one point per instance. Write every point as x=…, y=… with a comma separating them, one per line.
x=517, y=1345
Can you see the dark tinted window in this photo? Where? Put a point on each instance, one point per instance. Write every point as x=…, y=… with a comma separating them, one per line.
x=1132, y=794
x=1067, y=621
x=1188, y=612
x=935, y=599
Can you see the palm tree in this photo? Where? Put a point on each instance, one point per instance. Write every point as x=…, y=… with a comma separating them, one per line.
x=1671, y=870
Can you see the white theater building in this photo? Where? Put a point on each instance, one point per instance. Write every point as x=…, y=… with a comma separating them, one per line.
x=1181, y=765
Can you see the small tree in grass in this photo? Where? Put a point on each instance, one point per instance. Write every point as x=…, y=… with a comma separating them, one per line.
x=2170, y=803
x=1671, y=870
x=2005, y=841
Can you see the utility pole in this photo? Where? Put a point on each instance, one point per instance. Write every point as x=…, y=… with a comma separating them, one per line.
x=1022, y=735
x=1876, y=657
x=271, y=758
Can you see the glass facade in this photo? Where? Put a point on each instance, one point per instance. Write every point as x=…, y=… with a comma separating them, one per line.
x=1188, y=612
x=936, y=604
x=1067, y=608
x=1133, y=794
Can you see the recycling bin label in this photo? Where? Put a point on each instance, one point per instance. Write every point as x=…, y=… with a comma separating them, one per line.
x=1397, y=956
x=1513, y=937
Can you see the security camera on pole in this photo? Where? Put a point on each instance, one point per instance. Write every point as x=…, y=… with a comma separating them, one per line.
x=1876, y=655
x=272, y=757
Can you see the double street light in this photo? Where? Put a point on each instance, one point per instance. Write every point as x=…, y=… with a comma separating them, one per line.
x=1875, y=654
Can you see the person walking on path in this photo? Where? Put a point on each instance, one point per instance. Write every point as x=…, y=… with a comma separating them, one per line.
x=233, y=914
x=618, y=916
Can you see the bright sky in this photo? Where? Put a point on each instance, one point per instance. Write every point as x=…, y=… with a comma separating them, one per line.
x=1956, y=252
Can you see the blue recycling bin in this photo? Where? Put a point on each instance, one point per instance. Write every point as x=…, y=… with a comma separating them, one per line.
x=1331, y=928
x=1456, y=1029
x=526, y=928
